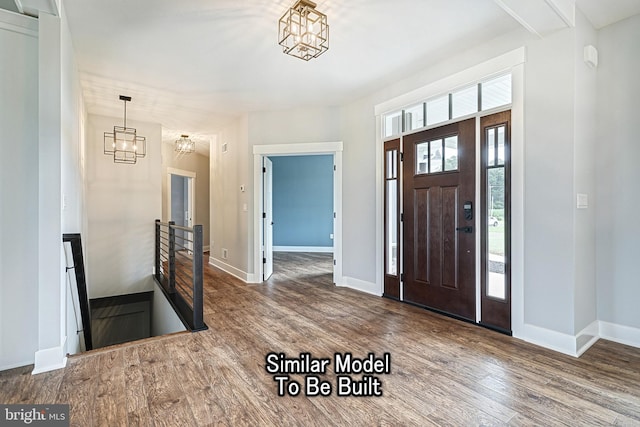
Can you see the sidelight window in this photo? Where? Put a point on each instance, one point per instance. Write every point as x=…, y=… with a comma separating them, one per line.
x=496, y=213
x=391, y=212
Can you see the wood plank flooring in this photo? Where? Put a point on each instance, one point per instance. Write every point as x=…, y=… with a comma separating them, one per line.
x=443, y=372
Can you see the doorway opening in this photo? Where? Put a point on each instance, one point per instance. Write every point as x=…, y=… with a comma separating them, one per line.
x=180, y=199
x=298, y=216
x=290, y=248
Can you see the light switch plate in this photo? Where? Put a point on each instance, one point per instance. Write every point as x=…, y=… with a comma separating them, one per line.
x=582, y=201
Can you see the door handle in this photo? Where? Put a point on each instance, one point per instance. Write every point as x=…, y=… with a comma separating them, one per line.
x=465, y=229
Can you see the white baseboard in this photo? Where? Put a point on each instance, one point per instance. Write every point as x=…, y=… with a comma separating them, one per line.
x=324, y=249
x=553, y=340
x=49, y=359
x=581, y=342
x=622, y=334
x=587, y=337
x=360, y=285
x=235, y=272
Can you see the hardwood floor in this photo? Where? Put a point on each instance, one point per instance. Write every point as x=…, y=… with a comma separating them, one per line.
x=310, y=268
x=443, y=372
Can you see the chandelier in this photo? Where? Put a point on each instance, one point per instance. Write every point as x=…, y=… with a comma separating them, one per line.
x=303, y=32
x=184, y=145
x=123, y=143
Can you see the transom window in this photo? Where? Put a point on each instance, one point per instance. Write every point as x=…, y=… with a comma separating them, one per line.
x=467, y=100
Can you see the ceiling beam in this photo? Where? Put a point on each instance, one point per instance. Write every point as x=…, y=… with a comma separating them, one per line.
x=565, y=9
x=541, y=17
x=19, y=6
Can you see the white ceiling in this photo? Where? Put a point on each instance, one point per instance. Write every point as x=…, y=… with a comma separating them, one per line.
x=606, y=12
x=192, y=65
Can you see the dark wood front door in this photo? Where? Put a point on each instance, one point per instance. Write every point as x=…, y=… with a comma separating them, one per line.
x=439, y=219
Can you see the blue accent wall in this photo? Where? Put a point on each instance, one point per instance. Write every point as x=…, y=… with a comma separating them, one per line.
x=302, y=200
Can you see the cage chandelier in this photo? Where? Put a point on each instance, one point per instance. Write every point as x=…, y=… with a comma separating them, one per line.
x=184, y=145
x=303, y=32
x=123, y=143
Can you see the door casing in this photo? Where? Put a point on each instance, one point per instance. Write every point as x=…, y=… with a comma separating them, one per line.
x=514, y=61
x=267, y=221
x=261, y=151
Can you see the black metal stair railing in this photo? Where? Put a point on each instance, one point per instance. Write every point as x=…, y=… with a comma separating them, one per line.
x=179, y=270
x=83, y=297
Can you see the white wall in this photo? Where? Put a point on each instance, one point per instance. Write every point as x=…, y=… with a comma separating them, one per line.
x=164, y=319
x=302, y=125
x=584, y=159
x=123, y=201
x=51, y=287
x=358, y=129
x=43, y=117
x=549, y=199
x=18, y=190
x=60, y=111
x=618, y=175
x=73, y=117
x=229, y=220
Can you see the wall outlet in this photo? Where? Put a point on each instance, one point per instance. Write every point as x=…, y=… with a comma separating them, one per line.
x=331, y=236
x=225, y=253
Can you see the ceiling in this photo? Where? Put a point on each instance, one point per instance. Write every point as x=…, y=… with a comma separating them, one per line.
x=193, y=65
x=606, y=12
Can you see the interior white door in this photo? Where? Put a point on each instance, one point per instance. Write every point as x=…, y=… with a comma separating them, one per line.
x=267, y=218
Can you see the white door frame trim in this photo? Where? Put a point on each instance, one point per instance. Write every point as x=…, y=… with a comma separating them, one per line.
x=313, y=148
x=512, y=61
